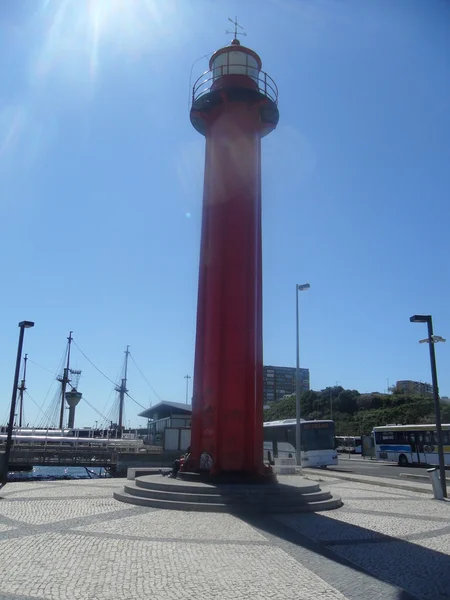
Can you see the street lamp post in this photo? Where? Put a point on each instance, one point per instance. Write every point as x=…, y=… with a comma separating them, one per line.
x=23, y=325
x=431, y=340
x=298, y=288
x=361, y=423
x=331, y=403
x=187, y=377
x=331, y=400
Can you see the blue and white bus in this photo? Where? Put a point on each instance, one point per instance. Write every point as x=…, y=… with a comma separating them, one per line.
x=348, y=444
x=411, y=444
x=317, y=441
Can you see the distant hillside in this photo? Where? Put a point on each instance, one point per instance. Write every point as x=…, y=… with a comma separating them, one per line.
x=356, y=413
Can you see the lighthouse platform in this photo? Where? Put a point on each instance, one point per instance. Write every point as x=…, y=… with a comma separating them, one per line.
x=290, y=494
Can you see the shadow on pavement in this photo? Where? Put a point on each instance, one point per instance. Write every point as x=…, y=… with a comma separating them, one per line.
x=359, y=562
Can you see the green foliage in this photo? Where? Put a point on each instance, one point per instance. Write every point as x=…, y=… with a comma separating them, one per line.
x=356, y=413
x=284, y=409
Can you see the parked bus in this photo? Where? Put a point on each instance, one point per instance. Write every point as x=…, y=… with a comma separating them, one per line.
x=347, y=444
x=411, y=444
x=317, y=441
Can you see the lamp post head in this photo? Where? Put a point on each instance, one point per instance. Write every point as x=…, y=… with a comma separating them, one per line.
x=303, y=287
x=434, y=340
x=420, y=318
x=26, y=324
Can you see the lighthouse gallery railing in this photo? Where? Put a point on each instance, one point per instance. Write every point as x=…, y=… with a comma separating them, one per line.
x=266, y=85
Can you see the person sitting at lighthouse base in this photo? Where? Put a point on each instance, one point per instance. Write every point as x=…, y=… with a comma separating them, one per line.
x=177, y=465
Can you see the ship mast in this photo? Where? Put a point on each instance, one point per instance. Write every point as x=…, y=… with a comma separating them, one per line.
x=22, y=389
x=122, y=389
x=64, y=380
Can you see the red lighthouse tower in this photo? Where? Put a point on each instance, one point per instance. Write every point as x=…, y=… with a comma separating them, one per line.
x=234, y=105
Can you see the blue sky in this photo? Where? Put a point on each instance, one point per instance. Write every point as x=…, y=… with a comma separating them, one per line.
x=101, y=188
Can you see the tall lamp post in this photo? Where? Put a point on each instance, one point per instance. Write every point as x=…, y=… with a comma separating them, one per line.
x=431, y=340
x=23, y=325
x=298, y=288
x=187, y=377
x=331, y=400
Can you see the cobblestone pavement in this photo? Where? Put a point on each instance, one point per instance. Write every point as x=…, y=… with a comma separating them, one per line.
x=399, y=536
x=71, y=540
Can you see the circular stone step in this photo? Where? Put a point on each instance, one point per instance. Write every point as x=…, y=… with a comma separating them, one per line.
x=197, y=487
x=292, y=494
x=330, y=504
x=182, y=496
x=225, y=478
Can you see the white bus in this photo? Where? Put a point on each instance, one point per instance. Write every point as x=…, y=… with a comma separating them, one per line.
x=411, y=444
x=317, y=441
x=348, y=444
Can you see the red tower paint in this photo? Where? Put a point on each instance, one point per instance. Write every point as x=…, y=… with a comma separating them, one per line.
x=234, y=105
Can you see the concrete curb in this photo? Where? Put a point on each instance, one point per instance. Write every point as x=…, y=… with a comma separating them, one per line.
x=399, y=485
x=367, y=460
x=419, y=477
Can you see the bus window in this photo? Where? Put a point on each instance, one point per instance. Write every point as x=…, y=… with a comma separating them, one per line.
x=290, y=436
x=445, y=437
x=400, y=437
x=410, y=437
x=315, y=438
x=420, y=437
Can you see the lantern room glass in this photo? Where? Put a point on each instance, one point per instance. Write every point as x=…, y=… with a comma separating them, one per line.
x=235, y=62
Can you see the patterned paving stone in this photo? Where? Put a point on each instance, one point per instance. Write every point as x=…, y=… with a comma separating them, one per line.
x=72, y=540
x=398, y=537
x=421, y=574
x=59, y=489
x=179, y=525
x=89, y=567
x=366, y=526
x=37, y=513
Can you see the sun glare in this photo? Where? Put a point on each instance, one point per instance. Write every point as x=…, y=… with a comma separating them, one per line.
x=81, y=33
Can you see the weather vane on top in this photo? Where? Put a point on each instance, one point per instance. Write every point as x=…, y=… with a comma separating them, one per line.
x=236, y=26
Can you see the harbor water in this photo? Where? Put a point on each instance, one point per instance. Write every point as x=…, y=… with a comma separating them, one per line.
x=56, y=473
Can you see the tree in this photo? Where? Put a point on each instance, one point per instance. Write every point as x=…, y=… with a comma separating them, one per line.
x=315, y=415
x=284, y=409
x=346, y=402
x=308, y=401
x=356, y=413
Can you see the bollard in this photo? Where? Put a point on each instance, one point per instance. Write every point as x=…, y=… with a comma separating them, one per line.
x=285, y=466
x=436, y=483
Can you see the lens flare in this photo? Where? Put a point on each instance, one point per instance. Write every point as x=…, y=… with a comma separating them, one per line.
x=12, y=124
x=82, y=33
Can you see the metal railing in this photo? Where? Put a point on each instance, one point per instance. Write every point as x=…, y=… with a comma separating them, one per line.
x=68, y=454
x=265, y=84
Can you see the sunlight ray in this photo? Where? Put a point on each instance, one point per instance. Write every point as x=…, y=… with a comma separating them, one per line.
x=80, y=34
